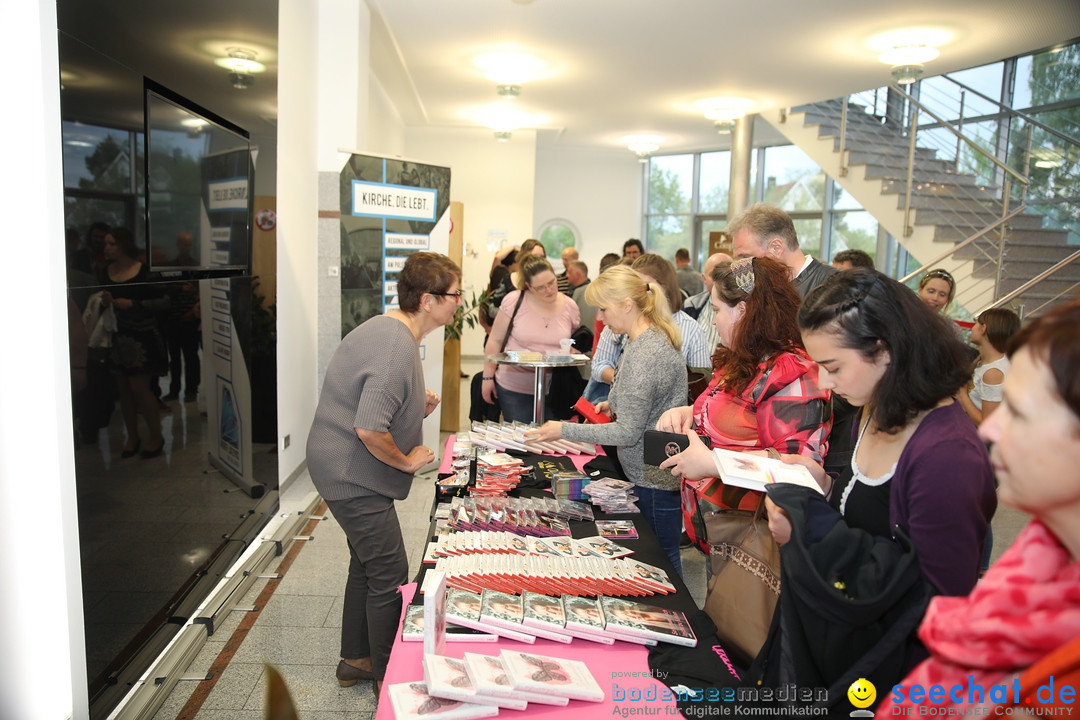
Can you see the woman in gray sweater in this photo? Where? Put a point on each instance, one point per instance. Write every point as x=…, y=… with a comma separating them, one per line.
x=365, y=445
x=649, y=379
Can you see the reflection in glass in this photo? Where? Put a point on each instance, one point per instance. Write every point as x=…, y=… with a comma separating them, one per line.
x=793, y=182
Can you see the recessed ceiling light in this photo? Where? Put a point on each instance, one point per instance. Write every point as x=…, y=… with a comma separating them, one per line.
x=510, y=68
x=915, y=54
x=724, y=108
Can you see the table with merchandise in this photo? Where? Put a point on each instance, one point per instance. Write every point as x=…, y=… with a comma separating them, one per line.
x=547, y=606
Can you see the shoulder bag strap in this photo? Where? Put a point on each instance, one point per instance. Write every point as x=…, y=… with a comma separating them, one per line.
x=510, y=326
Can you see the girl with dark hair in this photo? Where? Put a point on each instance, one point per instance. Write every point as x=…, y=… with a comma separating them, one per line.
x=990, y=334
x=764, y=393
x=918, y=464
x=541, y=316
x=1020, y=627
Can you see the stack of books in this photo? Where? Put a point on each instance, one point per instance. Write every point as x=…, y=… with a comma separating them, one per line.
x=612, y=495
x=511, y=436
x=523, y=516
x=502, y=542
x=554, y=574
x=497, y=474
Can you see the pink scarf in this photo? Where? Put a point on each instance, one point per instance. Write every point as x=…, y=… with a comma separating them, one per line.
x=1026, y=606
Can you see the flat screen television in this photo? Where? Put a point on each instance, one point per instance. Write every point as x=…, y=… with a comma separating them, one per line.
x=199, y=182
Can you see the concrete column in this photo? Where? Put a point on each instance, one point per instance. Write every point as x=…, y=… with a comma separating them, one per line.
x=742, y=137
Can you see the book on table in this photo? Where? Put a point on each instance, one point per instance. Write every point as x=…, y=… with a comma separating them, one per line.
x=448, y=678
x=628, y=617
x=435, y=612
x=551, y=675
x=755, y=472
x=412, y=629
x=489, y=677
x=507, y=612
x=463, y=608
x=411, y=701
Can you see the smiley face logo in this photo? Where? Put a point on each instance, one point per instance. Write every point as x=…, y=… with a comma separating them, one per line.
x=862, y=693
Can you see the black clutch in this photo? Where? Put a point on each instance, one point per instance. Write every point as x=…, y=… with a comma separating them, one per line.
x=659, y=446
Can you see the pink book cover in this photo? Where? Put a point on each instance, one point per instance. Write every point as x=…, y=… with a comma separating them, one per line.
x=489, y=677
x=551, y=675
x=411, y=701
x=448, y=678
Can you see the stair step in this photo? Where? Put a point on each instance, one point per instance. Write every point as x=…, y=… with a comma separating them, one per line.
x=1047, y=254
x=871, y=157
x=929, y=201
x=944, y=190
x=1020, y=239
x=877, y=171
x=972, y=221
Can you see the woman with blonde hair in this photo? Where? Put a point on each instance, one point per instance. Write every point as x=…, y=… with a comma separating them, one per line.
x=649, y=379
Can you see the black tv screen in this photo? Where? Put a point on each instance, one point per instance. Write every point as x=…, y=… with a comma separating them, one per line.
x=199, y=182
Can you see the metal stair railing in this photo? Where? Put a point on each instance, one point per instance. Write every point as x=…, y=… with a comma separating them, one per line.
x=983, y=180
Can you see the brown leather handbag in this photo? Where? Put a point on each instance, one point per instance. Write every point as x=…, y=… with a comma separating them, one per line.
x=745, y=584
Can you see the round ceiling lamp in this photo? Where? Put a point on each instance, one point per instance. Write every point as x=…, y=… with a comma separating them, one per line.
x=906, y=58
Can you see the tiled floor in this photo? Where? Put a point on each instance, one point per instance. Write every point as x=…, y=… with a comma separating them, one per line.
x=298, y=630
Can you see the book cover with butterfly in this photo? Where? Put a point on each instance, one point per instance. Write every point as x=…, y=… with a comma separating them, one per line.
x=448, y=678
x=648, y=621
x=552, y=675
x=411, y=701
x=489, y=677
x=412, y=629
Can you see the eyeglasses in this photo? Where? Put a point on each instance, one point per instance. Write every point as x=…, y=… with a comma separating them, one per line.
x=456, y=294
x=545, y=286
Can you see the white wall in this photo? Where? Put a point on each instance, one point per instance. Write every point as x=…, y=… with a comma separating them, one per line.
x=297, y=189
x=385, y=131
x=599, y=191
x=43, y=664
x=495, y=182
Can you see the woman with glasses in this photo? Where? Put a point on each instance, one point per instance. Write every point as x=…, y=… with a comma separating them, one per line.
x=937, y=289
x=364, y=446
x=534, y=317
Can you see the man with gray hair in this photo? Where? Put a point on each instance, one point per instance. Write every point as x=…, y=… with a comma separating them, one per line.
x=568, y=255
x=763, y=230
x=699, y=307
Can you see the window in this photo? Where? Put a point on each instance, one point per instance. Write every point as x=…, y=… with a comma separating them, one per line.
x=556, y=236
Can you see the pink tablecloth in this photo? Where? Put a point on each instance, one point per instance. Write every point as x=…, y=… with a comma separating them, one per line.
x=622, y=667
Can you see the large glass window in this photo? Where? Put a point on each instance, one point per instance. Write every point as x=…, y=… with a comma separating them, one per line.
x=713, y=183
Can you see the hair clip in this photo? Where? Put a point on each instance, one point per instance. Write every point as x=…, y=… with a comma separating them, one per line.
x=743, y=270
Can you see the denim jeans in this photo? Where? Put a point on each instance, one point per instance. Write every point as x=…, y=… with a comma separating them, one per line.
x=515, y=406
x=663, y=511
x=596, y=391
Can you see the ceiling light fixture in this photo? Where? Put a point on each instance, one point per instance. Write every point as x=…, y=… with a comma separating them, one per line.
x=510, y=68
x=642, y=145
x=907, y=61
x=724, y=111
x=503, y=135
x=508, y=91
x=240, y=60
x=242, y=67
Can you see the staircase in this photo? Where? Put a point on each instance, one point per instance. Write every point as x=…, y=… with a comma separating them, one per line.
x=947, y=206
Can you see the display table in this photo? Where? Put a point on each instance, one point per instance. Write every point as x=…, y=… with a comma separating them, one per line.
x=540, y=367
x=622, y=669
